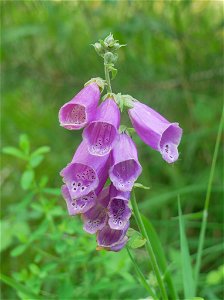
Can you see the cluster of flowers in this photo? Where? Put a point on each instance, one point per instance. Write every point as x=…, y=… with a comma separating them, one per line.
x=104, y=153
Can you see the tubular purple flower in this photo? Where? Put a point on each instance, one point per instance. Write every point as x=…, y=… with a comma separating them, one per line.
x=118, y=211
x=156, y=131
x=101, y=133
x=111, y=239
x=78, y=112
x=96, y=218
x=125, y=167
x=85, y=173
x=80, y=205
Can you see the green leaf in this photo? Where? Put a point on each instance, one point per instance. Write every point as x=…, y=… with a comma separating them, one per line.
x=141, y=186
x=36, y=160
x=19, y=287
x=187, y=272
x=136, y=240
x=14, y=152
x=18, y=250
x=52, y=191
x=41, y=150
x=24, y=143
x=27, y=179
x=6, y=238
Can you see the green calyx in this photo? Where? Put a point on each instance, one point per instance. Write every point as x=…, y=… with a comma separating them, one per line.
x=99, y=81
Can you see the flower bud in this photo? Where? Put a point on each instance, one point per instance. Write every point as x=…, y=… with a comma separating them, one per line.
x=109, y=58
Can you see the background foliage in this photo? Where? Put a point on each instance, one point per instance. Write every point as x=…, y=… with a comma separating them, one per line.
x=173, y=62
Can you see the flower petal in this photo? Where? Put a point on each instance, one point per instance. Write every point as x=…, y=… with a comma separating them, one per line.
x=156, y=131
x=125, y=168
x=101, y=133
x=80, y=205
x=118, y=211
x=85, y=173
x=81, y=110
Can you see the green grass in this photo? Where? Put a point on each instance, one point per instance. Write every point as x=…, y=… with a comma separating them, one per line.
x=173, y=62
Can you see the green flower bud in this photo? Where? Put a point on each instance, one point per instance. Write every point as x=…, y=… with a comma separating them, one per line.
x=109, y=40
x=110, y=57
x=99, y=48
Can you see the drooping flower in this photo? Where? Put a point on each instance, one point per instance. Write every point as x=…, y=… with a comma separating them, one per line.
x=118, y=210
x=156, y=131
x=96, y=218
x=101, y=133
x=81, y=110
x=80, y=205
x=112, y=239
x=125, y=167
x=85, y=173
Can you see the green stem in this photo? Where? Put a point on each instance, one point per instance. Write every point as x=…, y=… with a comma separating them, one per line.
x=107, y=78
x=207, y=200
x=141, y=276
x=148, y=246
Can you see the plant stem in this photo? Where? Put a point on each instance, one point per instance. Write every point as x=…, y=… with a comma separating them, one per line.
x=207, y=199
x=107, y=78
x=141, y=276
x=148, y=246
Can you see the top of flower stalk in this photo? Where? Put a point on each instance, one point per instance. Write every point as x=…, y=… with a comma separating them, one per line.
x=108, y=45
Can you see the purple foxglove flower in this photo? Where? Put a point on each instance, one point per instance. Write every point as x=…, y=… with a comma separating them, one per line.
x=125, y=168
x=78, y=112
x=85, y=173
x=111, y=239
x=80, y=205
x=118, y=211
x=96, y=218
x=101, y=133
x=156, y=131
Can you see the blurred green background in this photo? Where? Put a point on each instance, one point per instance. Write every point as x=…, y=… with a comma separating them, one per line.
x=174, y=63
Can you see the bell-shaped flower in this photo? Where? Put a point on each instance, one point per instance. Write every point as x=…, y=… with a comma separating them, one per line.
x=156, y=131
x=80, y=205
x=101, y=133
x=125, y=167
x=112, y=239
x=81, y=110
x=118, y=210
x=96, y=218
x=85, y=173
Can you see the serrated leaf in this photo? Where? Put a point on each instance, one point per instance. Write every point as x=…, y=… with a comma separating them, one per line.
x=24, y=143
x=141, y=186
x=14, y=152
x=41, y=150
x=18, y=250
x=27, y=179
x=36, y=160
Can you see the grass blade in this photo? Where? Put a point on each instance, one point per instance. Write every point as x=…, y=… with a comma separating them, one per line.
x=141, y=276
x=207, y=199
x=158, y=250
x=187, y=272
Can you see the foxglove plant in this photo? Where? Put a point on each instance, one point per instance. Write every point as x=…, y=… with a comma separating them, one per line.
x=108, y=154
